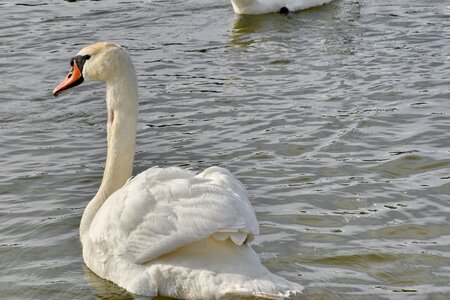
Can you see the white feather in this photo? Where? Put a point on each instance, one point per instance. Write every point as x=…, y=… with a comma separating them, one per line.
x=271, y=6
x=161, y=210
x=238, y=237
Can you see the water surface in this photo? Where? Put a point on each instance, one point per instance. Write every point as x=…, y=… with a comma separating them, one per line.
x=335, y=118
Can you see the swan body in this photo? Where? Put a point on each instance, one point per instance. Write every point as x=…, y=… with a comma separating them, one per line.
x=251, y=7
x=168, y=231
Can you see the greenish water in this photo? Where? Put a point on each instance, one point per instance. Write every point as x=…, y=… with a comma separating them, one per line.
x=335, y=118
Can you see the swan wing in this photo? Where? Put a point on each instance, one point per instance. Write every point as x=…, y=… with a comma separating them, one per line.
x=161, y=210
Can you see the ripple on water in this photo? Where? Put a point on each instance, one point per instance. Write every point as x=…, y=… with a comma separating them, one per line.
x=334, y=118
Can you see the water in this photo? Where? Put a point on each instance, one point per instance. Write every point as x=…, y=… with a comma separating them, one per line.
x=335, y=118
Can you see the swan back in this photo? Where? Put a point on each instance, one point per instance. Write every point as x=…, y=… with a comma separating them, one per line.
x=161, y=210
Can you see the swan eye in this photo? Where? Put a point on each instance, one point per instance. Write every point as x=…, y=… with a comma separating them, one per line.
x=79, y=60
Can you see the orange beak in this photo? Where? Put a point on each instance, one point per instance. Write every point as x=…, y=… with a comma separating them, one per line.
x=74, y=78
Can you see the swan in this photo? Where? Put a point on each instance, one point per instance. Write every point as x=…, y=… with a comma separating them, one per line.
x=252, y=7
x=166, y=231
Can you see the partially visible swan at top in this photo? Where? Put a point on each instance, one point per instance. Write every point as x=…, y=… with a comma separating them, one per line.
x=253, y=7
x=169, y=231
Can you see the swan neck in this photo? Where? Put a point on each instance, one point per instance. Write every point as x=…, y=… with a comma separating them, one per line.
x=121, y=136
x=122, y=104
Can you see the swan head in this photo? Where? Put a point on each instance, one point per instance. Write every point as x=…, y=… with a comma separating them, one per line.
x=101, y=61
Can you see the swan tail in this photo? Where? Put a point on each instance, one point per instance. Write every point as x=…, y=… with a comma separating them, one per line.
x=233, y=272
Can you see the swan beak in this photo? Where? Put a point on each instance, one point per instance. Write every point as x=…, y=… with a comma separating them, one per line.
x=74, y=78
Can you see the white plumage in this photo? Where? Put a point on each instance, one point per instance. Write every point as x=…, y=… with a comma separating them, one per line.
x=161, y=210
x=167, y=231
x=271, y=6
x=181, y=226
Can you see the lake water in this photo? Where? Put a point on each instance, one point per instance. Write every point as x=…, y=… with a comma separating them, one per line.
x=335, y=118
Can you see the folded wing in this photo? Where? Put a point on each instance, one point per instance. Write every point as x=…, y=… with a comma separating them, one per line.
x=161, y=210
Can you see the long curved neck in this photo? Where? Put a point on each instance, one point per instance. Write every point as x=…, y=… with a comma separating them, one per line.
x=122, y=103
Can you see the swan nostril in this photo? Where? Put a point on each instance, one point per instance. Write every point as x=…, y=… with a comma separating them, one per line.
x=284, y=10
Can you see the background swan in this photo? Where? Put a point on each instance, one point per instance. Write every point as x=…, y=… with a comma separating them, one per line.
x=167, y=231
x=269, y=6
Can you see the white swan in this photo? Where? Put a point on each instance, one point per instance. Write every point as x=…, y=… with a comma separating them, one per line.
x=252, y=7
x=167, y=231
